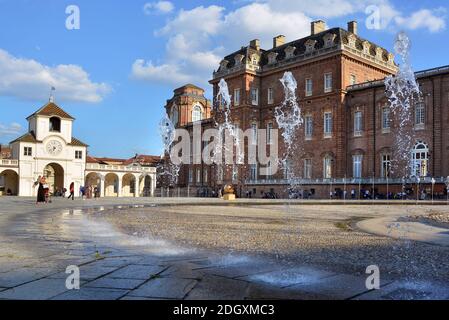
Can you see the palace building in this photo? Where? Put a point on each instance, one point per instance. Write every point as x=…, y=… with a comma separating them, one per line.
x=49, y=149
x=347, y=138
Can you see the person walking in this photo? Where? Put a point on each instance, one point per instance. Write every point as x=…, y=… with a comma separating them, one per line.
x=72, y=191
x=40, y=191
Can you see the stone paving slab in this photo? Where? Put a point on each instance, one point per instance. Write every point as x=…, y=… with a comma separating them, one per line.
x=36, y=290
x=114, y=283
x=91, y=294
x=137, y=272
x=218, y=288
x=402, y=290
x=20, y=276
x=169, y=288
x=182, y=270
x=239, y=271
x=258, y=291
x=341, y=286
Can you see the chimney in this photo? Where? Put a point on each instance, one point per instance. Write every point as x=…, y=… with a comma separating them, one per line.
x=278, y=41
x=255, y=44
x=352, y=27
x=317, y=27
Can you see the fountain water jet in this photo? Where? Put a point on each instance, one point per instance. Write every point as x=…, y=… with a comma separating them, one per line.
x=403, y=92
x=289, y=119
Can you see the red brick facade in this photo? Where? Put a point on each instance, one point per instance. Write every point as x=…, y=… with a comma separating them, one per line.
x=353, y=65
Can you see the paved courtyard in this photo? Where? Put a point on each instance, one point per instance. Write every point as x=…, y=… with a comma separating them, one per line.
x=202, y=249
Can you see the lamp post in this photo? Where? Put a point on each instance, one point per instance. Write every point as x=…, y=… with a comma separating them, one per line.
x=433, y=187
x=447, y=189
x=418, y=180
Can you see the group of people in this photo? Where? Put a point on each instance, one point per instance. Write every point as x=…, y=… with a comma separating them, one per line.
x=89, y=192
x=43, y=191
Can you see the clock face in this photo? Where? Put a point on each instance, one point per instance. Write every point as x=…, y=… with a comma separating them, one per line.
x=54, y=147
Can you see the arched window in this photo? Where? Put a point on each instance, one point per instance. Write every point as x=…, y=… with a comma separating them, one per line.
x=174, y=115
x=327, y=167
x=196, y=114
x=55, y=124
x=420, y=160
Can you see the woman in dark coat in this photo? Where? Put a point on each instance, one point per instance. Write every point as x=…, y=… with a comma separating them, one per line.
x=40, y=191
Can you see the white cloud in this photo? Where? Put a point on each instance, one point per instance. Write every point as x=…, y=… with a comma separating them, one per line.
x=240, y=27
x=12, y=129
x=31, y=80
x=427, y=19
x=199, y=21
x=158, y=7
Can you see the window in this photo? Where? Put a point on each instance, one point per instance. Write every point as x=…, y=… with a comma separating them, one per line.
x=78, y=154
x=196, y=114
x=309, y=127
x=328, y=82
x=386, y=119
x=328, y=125
x=269, y=136
x=420, y=115
x=235, y=173
x=255, y=97
x=220, y=173
x=386, y=166
x=307, y=168
x=353, y=80
x=236, y=97
x=420, y=160
x=254, y=133
x=174, y=116
x=269, y=171
x=288, y=170
x=358, y=119
x=270, y=96
x=198, y=175
x=357, y=166
x=55, y=124
x=309, y=87
x=27, y=151
x=190, y=175
x=253, y=172
x=327, y=167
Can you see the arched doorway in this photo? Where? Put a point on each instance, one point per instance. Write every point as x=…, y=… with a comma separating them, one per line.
x=145, y=186
x=9, y=183
x=111, y=185
x=128, y=185
x=54, y=175
x=93, y=179
x=420, y=160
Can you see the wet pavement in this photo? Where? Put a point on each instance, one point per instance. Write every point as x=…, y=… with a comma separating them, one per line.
x=38, y=243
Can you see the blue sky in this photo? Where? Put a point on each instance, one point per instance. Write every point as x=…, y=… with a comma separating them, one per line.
x=116, y=72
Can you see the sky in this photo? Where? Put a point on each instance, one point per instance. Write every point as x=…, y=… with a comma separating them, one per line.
x=114, y=70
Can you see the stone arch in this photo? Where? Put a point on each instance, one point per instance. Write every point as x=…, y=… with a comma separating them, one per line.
x=111, y=185
x=129, y=185
x=93, y=179
x=146, y=185
x=54, y=174
x=55, y=124
x=9, y=183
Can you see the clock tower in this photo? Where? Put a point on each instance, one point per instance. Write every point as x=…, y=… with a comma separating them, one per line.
x=49, y=149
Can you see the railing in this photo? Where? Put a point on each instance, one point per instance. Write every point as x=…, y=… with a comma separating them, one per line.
x=9, y=163
x=342, y=181
x=104, y=167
